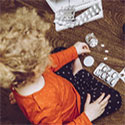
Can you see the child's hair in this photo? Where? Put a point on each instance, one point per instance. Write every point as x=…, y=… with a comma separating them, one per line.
x=23, y=48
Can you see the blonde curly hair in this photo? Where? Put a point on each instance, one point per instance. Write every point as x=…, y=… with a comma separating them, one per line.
x=23, y=48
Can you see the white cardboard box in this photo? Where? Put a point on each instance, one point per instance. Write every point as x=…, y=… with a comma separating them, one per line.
x=78, y=4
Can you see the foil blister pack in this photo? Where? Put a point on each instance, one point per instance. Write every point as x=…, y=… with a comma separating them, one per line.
x=88, y=15
x=107, y=74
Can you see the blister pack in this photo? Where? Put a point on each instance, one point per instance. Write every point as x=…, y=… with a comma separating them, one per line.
x=122, y=75
x=65, y=15
x=92, y=13
x=107, y=74
x=88, y=14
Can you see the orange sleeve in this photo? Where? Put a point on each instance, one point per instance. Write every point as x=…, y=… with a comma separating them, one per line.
x=47, y=115
x=61, y=58
x=80, y=120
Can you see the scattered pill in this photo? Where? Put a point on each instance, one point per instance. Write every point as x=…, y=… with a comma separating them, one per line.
x=105, y=58
x=102, y=45
x=106, y=51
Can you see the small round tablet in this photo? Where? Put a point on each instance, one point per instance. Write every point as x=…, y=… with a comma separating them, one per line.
x=85, y=19
x=102, y=45
x=93, y=13
x=88, y=61
x=105, y=58
x=89, y=16
x=106, y=51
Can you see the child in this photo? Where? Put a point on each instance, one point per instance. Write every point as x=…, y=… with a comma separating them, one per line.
x=46, y=89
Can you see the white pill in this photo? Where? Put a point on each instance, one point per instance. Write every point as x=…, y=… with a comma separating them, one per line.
x=86, y=12
x=78, y=17
x=106, y=51
x=90, y=9
x=112, y=82
x=114, y=75
x=97, y=10
x=103, y=76
x=98, y=72
x=72, y=25
x=105, y=68
x=85, y=19
x=83, y=15
x=105, y=58
x=93, y=13
x=80, y=22
x=108, y=79
x=94, y=6
x=88, y=61
x=102, y=45
x=89, y=16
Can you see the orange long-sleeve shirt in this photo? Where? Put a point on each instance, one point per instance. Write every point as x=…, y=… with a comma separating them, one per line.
x=57, y=102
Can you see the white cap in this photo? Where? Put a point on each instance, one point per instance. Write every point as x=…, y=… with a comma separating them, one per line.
x=88, y=61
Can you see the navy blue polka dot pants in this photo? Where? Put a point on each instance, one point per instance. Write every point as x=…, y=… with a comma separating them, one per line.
x=85, y=83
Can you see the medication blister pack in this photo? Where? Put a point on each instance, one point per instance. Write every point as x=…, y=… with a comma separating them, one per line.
x=122, y=75
x=88, y=15
x=78, y=4
x=65, y=15
x=107, y=74
x=65, y=12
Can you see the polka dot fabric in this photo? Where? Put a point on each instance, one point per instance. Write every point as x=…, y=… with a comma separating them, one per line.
x=85, y=83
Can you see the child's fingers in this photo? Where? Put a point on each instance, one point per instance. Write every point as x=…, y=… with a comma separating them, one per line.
x=100, y=98
x=12, y=98
x=88, y=99
x=85, y=46
x=13, y=101
x=104, y=105
x=11, y=95
x=87, y=51
x=102, y=111
x=105, y=100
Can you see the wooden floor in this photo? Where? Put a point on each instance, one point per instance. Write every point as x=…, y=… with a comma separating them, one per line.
x=108, y=30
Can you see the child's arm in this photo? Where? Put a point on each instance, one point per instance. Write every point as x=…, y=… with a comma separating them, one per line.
x=59, y=59
x=63, y=57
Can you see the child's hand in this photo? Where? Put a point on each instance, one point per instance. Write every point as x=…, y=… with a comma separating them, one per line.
x=95, y=109
x=81, y=48
x=12, y=98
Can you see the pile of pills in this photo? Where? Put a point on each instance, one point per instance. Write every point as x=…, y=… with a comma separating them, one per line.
x=91, y=40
